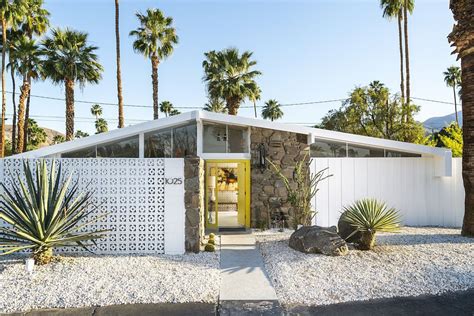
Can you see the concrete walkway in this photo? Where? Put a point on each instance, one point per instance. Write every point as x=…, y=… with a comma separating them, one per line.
x=243, y=275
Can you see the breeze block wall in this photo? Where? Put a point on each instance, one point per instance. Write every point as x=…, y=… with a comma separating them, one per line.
x=194, y=203
x=144, y=199
x=269, y=194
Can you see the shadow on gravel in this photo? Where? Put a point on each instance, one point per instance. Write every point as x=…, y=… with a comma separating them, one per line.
x=454, y=303
x=413, y=239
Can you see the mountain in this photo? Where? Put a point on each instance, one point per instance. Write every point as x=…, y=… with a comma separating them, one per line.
x=50, y=133
x=437, y=123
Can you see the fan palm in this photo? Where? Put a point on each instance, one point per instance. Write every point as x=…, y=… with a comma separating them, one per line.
x=96, y=110
x=461, y=37
x=101, y=126
x=229, y=76
x=80, y=134
x=174, y=112
x=369, y=216
x=272, y=110
x=155, y=39
x=215, y=105
x=70, y=59
x=166, y=107
x=10, y=12
x=119, y=72
x=58, y=139
x=45, y=212
x=28, y=64
x=36, y=23
x=452, y=78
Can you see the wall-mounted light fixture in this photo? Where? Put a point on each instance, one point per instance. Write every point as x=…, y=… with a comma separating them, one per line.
x=262, y=157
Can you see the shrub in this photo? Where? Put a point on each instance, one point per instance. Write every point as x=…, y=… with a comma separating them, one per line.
x=44, y=213
x=210, y=248
x=369, y=216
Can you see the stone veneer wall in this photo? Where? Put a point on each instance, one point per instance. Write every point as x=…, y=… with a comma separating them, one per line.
x=269, y=194
x=194, y=203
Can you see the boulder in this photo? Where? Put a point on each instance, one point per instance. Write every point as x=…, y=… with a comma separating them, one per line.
x=345, y=229
x=316, y=239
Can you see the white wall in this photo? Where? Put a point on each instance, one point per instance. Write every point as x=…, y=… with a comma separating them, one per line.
x=408, y=184
x=144, y=199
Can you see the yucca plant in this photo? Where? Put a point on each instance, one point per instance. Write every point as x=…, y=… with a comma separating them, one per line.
x=369, y=216
x=45, y=212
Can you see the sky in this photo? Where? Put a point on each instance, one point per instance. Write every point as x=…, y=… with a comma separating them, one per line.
x=307, y=51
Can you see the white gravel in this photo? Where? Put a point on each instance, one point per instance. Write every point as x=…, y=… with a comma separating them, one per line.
x=415, y=262
x=106, y=280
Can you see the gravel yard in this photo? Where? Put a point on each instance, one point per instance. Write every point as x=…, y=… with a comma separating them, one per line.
x=92, y=280
x=414, y=262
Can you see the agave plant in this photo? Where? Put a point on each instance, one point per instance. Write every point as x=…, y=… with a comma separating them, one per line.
x=45, y=212
x=369, y=216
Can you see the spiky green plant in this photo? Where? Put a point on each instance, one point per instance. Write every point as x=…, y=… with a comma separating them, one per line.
x=45, y=212
x=369, y=216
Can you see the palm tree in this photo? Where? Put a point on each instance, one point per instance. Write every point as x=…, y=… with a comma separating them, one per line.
x=452, y=77
x=58, y=139
x=69, y=59
x=408, y=7
x=215, y=105
x=272, y=110
x=228, y=76
x=166, y=107
x=394, y=9
x=174, y=112
x=96, y=110
x=155, y=39
x=101, y=126
x=119, y=72
x=80, y=134
x=461, y=37
x=27, y=60
x=10, y=11
x=36, y=23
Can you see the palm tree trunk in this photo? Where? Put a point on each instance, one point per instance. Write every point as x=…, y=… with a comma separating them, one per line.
x=407, y=60
x=154, y=76
x=69, y=109
x=119, y=72
x=27, y=117
x=402, y=74
x=232, y=104
x=14, y=126
x=21, y=114
x=455, y=104
x=467, y=65
x=4, y=100
x=255, y=108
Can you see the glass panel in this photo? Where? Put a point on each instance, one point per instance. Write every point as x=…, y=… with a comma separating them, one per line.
x=322, y=148
x=88, y=152
x=184, y=141
x=238, y=141
x=394, y=154
x=158, y=144
x=125, y=148
x=214, y=138
x=359, y=151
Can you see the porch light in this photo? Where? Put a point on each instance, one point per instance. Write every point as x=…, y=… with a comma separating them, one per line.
x=211, y=184
x=262, y=157
x=30, y=265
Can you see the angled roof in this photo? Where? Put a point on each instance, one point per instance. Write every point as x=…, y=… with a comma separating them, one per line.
x=233, y=120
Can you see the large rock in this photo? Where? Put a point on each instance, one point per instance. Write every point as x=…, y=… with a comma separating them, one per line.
x=345, y=230
x=316, y=239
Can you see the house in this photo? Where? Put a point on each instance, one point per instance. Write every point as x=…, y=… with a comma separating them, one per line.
x=226, y=182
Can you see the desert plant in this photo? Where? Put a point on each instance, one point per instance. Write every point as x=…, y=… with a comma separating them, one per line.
x=301, y=190
x=45, y=212
x=210, y=248
x=369, y=216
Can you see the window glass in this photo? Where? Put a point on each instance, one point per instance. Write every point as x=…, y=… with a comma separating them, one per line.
x=237, y=140
x=393, y=154
x=158, y=144
x=184, y=141
x=322, y=148
x=88, y=152
x=214, y=138
x=125, y=148
x=360, y=151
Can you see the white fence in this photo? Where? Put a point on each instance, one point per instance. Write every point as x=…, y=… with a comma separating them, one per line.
x=144, y=199
x=408, y=184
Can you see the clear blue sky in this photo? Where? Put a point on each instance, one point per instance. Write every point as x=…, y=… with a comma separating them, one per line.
x=307, y=50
